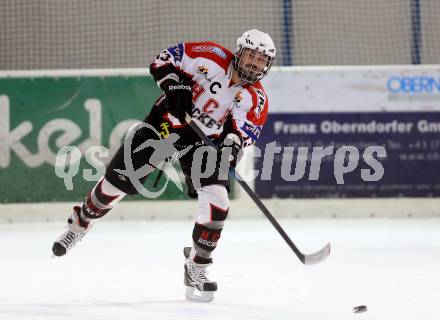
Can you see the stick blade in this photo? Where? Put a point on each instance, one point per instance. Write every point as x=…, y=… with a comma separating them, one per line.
x=316, y=257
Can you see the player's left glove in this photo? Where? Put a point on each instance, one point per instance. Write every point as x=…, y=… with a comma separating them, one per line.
x=178, y=98
x=231, y=145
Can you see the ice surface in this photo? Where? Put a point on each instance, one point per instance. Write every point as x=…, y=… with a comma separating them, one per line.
x=134, y=270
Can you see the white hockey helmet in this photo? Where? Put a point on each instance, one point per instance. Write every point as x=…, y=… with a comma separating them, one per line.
x=254, y=55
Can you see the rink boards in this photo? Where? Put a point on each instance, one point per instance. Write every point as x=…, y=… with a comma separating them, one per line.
x=352, y=110
x=41, y=112
x=393, y=107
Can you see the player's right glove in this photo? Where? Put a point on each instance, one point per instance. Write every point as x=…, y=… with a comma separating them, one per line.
x=231, y=145
x=178, y=98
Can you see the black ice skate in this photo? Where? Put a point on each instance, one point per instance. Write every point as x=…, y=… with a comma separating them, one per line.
x=76, y=229
x=195, y=279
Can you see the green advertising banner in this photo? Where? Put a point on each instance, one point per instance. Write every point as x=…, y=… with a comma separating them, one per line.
x=40, y=115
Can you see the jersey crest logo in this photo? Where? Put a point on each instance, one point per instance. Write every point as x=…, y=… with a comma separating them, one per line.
x=212, y=49
x=237, y=98
x=203, y=71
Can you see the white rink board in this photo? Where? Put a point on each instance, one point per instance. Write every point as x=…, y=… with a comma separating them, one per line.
x=354, y=89
x=319, y=89
x=242, y=208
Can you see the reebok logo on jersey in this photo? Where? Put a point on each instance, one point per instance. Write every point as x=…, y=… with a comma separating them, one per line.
x=212, y=49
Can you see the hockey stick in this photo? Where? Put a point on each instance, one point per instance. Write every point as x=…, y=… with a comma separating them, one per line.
x=305, y=258
x=162, y=167
x=159, y=175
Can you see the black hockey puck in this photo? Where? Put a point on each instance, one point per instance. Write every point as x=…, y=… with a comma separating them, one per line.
x=359, y=309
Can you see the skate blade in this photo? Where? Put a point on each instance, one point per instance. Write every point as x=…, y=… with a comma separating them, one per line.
x=198, y=296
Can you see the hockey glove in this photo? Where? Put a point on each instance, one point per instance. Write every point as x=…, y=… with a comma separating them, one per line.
x=231, y=145
x=178, y=98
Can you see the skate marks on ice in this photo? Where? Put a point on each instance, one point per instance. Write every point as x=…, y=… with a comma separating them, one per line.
x=155, y=309
x=130, y=272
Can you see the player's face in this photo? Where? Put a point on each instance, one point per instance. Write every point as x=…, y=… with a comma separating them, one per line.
x=253, y=63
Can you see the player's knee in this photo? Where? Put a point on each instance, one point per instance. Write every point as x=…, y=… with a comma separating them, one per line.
x=213, y=205
x=216, y=194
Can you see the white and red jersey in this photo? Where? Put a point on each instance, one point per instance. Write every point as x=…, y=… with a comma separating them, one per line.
x=209, y=66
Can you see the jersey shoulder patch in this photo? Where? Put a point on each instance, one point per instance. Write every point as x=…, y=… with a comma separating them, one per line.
x=177, y=52
x=260, y=104
x=211, y=51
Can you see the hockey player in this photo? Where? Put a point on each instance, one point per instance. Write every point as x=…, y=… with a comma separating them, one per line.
x=222, y=93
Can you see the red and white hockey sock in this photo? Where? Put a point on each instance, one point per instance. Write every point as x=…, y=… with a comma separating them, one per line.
x=212, y=211
x=102, y=199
